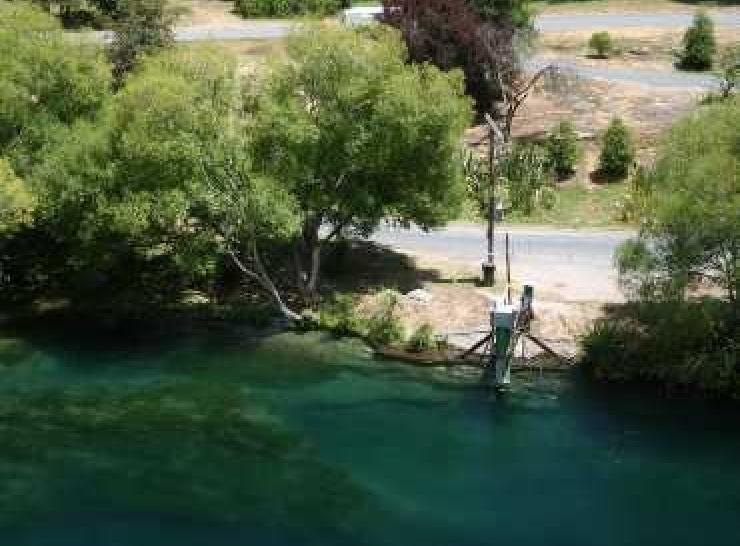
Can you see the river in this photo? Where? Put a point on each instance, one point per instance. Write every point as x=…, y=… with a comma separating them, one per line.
x=226, y=439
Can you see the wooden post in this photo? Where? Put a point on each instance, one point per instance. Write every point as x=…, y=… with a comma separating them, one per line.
x=489, y=266
x=508, y=271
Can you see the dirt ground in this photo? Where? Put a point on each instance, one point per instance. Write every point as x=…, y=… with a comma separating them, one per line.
x=636, y=47
x=458, y=309
x=624, y=6
x=216, y=13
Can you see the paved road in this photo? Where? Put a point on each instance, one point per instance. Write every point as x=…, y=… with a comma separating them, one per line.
x=572, y=265
x=608, y=21
x=265, y=29
x=270, y=29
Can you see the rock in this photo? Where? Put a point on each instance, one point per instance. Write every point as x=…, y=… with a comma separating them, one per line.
x=420, y=296
x=193, y=297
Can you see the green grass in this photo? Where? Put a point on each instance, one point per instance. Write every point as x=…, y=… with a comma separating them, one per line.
x=577, y=205
x=580, y=206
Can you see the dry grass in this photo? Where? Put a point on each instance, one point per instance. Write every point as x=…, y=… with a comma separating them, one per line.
x=208, y=13
x=623, y=6
x=643, y=47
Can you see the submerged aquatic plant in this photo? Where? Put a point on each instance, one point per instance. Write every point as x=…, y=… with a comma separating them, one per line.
x=194, y=449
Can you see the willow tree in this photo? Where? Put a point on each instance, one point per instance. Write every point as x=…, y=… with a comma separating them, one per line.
x=358, y=135
x=689, y=205
x=16, y=200
x=47, y=82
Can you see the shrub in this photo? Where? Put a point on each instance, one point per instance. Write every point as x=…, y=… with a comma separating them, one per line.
x=601, y=43
x=524, y=172
x=617, y=152
x=680, y=345
x=339, y=316
x=145, y=27
x=729, y=71
x=422, y=340
x=699, y=44
x=287, y=8
x=563, y=149
x=384, y=327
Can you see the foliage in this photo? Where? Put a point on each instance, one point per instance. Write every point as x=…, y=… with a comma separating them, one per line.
x=143, y=27
x=678, y=345
x=563, y=149
x=287, y=8
x=46, y=82
x=525, y=176
x=699, y=44
x=519, y=13
x=579, y=205
x=483, y=38
x=523, y=180
x=729, y=71
x=340, y=317
x=601, y=43
x=116, y=197
x=78, y=13
x=16, y=200
x=356, y=135
x=689, y=204
x=383, y=326
x=617, y=151
x=422, y=339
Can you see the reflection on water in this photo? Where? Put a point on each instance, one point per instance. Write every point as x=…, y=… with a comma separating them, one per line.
x=227, y=439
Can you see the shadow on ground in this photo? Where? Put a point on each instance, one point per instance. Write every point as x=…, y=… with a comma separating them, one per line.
x=361, y=266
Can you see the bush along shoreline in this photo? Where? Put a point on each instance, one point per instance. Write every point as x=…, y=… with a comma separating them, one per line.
x=688, y=348
x=682, y=331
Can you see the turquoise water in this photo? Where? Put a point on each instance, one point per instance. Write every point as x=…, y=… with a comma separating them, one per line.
x=225, y=439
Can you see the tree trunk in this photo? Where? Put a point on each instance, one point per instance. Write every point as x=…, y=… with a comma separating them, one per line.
x=307, y=257
x=264, y=280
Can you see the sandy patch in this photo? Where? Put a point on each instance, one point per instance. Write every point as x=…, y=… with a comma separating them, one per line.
x=458, y=310
x=213, y=13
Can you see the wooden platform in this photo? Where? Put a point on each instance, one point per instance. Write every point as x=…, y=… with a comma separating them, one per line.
x=454, y=357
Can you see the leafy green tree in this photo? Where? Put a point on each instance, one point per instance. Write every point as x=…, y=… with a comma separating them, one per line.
x=617, y=151
x=688, y=205
x=46, y=82
x=357, y=135
x=115, y=195
x=286, y=8
x=518, y=13
x=16, y=200
x=243, y=212
x=143, y=27
x=699, y=44
x=601, y=43
x=690, y=227
x=563, y=149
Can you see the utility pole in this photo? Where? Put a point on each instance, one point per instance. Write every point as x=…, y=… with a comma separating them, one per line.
x=489, y=266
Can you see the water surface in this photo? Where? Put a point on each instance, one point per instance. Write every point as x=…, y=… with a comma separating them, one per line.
x=227, y=439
